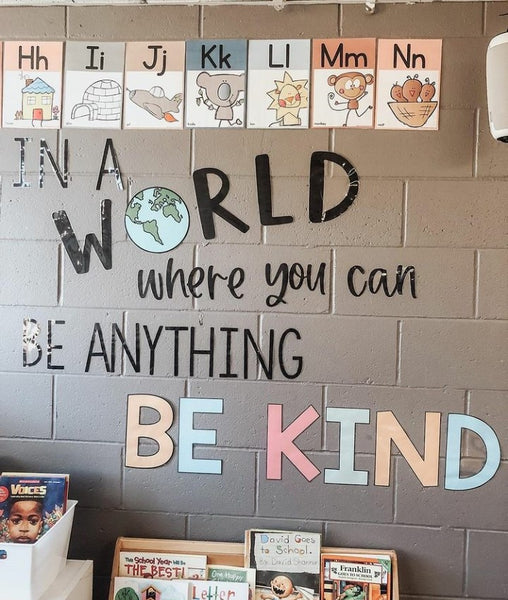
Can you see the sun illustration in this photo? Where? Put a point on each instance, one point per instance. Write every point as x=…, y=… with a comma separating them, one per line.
x=288, y=98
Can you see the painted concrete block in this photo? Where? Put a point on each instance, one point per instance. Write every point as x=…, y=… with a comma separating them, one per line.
x=29, y=273
x=466, y=354
x=473, y=217
x=468, y=65
x=420, y=550
x=241, y=201
x=129, y=283
x=35, y=22
x=466, y=18
x=274, y=278
x=20, y=400
x=266, y=23
x=486, y=553
x=408, y=406
x=319, y=500
x=191, y=344
x=374, y=218
x=75, y=339
x=415, y=282
x=125, y=23
x=107, y=397
x=80, y=201
x=444, y=153
x=19, y=152
x=437, y=505
x=345, y=349
x=134, y=152
x=490, y=407
x=243, y=423
x=233, y=528
x=94, y=468
x=493, y=284
x=234, y=153
x=92, y=526
x=232, y=492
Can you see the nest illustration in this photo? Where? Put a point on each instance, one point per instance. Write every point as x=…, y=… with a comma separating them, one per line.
x=413, y=114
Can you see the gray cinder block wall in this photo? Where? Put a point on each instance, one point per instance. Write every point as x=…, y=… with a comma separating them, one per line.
x=434, y=200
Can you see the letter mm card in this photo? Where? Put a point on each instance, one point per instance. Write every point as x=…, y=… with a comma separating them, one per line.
x=32, y=85
x=154, y=85
x=343, y=82
x=408, y=84
x=93, y=85
x=278, y=85
x=215, y=83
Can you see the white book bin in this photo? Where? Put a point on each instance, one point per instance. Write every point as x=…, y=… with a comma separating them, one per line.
x=27, y=570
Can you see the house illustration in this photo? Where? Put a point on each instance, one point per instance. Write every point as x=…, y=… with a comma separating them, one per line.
x=151, y=593
x=37, y=100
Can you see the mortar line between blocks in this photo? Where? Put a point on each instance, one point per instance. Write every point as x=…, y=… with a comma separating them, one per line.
x=465, y=583
x=405, y=197
x=398, y=354
x=59, y=274
x=476, y=284
x=476, y=142
x=53, y=408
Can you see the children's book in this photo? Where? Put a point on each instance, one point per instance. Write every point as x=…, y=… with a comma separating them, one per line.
x=160, y=565
x=219, y=590
x=287, y=563
x=30, y=504
x=233, y=574
x=355, y=576
x=135, y=588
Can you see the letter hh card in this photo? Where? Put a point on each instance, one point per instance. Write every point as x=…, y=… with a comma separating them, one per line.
x=93, y=90
x=343, y=82
x=215, y=83
x=408, y=84
x=278, y=84
x=154, y=85
x=32, y=84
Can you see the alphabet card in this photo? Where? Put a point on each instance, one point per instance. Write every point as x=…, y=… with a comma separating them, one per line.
x=343, y=82
x=215, y=83
x=93, y=95
x=32, y=84
x=408, y=84
x=278, y=84
x=154, y=85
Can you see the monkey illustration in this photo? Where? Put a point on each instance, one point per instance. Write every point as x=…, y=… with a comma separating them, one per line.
x=351, y=87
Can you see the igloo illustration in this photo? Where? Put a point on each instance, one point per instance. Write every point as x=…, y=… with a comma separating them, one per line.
x=102, y=101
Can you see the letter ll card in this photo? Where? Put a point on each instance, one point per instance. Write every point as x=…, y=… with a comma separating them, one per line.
x=278, y=84
x=408, y=84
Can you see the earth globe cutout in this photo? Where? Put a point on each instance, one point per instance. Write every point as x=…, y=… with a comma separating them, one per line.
x=157, y=219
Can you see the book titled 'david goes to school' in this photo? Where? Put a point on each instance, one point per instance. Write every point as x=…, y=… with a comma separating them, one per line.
x=287, y=563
